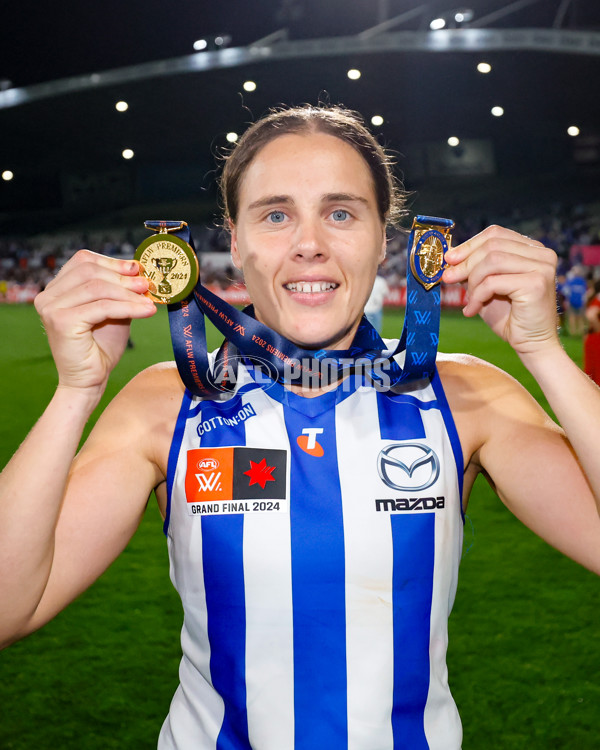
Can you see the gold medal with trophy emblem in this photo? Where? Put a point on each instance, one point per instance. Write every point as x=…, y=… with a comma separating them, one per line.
x=169, y=263
x=429, y=245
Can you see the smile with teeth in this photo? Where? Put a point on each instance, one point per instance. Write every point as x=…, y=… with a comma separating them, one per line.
x=311, y=287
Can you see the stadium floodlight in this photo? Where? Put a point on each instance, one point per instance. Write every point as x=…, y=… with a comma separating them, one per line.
x=249, y=86
x=484, y=67
x=497, y=111
x=7, y=175
x=453, y=141
x=216, y=42
x=127, y=153
x=353, y=74
x=121, y=106
x=463, y=15
x=573, y=130
x=452, y=18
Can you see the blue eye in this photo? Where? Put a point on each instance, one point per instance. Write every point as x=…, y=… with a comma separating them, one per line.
x=276, y=217
x=340, y=215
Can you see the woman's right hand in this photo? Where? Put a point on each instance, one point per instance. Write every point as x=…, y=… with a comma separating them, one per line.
x=87, y=311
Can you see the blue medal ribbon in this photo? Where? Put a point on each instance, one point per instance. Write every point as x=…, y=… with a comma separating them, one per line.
x=284, y=361
x=421, y=331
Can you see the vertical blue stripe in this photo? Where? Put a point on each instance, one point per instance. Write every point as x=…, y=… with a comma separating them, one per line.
x=399, y=418
x=223, y=563
x=225, y=605
x=318, y=588
x=452, y=435
x=174, y=451
x=413, y=538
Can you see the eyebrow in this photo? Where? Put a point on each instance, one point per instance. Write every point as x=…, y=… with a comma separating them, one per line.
x=343, y=198
x=271, y=200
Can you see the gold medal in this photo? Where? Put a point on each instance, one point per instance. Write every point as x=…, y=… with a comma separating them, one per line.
x=171, y=266
x=429, y=245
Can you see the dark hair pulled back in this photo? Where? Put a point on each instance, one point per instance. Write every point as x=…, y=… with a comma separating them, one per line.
x=338, y=121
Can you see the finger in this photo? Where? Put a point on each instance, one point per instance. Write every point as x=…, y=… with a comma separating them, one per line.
x=85, y=265
x=498, y=253
x=493, y=234
x=86, y=281
x=511, y=263
x=125, y=267
x=94, y=313
x=518, y=288
x=131, y=290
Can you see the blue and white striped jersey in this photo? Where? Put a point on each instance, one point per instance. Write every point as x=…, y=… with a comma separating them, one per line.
x=315, y=543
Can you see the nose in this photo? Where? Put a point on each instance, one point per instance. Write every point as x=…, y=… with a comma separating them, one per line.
x=309, y=242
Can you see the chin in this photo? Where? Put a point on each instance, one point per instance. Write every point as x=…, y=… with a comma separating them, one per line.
x=311, y=334
x=320, y=340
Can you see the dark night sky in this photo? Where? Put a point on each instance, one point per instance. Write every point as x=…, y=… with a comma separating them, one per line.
x=42, y=41
x=179, y=121
x=82, y=36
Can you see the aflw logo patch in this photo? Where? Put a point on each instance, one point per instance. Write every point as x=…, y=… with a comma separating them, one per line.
x=209, y=482
x=236, y=480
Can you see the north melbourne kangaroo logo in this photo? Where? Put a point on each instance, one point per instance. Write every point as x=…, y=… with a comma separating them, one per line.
x=409, y=467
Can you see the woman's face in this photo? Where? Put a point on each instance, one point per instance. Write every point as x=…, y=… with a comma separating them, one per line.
x=309, y=238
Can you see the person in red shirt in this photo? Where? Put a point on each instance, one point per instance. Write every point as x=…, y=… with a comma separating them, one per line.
x=591, y=343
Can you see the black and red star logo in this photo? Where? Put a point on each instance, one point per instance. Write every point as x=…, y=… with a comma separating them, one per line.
x=260, y=473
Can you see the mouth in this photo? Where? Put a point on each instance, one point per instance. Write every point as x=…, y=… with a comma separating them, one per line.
x=311, y=287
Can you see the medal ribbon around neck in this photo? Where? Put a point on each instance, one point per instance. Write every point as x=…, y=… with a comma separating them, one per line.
x=270, y=352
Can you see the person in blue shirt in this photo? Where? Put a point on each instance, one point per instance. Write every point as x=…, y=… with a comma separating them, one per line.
x=576, y=292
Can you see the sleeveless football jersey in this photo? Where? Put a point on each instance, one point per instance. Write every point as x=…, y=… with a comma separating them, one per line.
x=315, y=544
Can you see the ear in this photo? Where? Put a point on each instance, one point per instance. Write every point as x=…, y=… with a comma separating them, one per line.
x=235, y=253
x=383, y=248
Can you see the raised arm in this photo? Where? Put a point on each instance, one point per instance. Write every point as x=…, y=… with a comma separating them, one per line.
x=86, y=311
x=548, y=478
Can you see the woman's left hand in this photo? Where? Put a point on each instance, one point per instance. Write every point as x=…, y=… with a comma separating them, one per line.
x=510, y=282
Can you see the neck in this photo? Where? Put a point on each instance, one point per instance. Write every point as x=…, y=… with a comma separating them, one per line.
x=312, y=392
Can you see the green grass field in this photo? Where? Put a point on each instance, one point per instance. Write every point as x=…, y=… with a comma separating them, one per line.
x=524, y=658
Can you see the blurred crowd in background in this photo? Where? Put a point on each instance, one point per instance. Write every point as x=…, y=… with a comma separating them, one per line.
x=27, y=265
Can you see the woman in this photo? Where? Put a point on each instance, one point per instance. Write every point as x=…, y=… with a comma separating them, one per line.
x=320, y=619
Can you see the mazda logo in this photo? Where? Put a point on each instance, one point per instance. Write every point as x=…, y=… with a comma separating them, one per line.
x=409, y=467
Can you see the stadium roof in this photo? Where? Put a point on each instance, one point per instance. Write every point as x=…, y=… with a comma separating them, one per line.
x=62, y=75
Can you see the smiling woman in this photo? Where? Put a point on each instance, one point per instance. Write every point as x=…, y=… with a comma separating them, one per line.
x=309, y=238
x=314, y=542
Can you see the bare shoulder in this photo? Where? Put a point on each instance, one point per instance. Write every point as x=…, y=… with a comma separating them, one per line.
x=141, y=416
x=154, y=391
x=161, y=375
x=487, y=403
x=467, y=367
x=470, y=382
